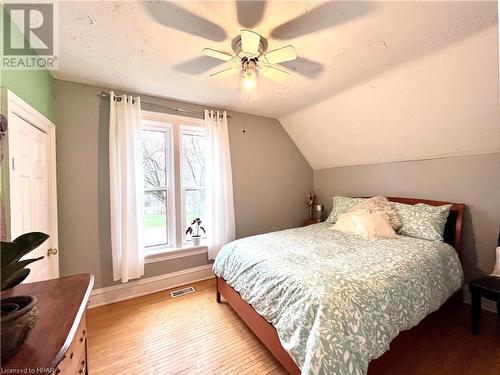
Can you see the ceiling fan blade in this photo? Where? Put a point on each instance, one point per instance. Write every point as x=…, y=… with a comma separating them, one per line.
x=226, y=72
x=217, y=54
x=250, y=12
x=250, y=42
x=281, y=55
x=274, y=73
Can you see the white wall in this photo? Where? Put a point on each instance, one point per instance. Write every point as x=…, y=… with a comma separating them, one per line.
x=444, y=103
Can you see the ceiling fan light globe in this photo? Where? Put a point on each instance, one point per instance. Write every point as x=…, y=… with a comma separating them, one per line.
x=248, y=84
x=249, y=80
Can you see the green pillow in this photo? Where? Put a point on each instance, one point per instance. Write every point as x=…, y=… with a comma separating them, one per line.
x=342, y=205
x=423, y=221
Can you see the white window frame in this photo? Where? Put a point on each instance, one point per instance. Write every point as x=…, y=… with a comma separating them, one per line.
x=169, y=183
x=178, y=246
x=195, y=130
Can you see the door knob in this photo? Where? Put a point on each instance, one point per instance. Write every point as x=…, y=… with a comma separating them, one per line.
x=51, y=251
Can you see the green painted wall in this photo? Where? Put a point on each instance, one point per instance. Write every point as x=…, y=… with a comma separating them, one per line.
x=36, y=87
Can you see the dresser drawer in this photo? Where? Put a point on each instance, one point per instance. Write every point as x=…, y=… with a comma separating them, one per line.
x=74, y=361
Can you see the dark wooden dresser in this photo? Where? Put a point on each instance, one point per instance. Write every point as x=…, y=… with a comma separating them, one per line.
x=58, y=342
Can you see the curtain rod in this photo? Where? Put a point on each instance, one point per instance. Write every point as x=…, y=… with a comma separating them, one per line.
x=180, y=110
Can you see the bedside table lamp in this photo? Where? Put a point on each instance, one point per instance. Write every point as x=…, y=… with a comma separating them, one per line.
x=317, y=212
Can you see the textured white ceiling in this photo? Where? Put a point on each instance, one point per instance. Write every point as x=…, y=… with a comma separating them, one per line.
x=155, y=48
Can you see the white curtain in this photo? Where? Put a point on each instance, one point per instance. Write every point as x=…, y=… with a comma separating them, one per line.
x=220, y=222
x=126, y=187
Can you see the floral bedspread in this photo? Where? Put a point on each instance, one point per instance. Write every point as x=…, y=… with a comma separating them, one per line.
x=337, y=300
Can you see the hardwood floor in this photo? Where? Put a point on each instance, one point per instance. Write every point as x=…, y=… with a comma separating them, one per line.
x=192, y=334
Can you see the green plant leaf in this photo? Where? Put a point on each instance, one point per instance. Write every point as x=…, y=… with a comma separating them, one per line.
x=8, y=252
x=16, y=278
x=12, y=268
x=28, y=242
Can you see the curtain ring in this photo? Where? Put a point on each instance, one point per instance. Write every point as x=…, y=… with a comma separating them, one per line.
x=119, y=99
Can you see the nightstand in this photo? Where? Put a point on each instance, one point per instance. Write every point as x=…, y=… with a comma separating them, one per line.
x=309, y=222
x=487, y=287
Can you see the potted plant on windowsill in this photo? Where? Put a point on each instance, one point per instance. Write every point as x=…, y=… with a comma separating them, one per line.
x=194, y=231
x=18, y=313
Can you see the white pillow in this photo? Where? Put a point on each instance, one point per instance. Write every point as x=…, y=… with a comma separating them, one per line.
x=345, y=223
x=372, y=225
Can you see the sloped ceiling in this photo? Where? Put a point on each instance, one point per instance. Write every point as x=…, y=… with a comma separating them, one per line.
x=428, y=88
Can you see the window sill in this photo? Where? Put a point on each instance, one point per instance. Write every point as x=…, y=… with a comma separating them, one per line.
x=174, y=253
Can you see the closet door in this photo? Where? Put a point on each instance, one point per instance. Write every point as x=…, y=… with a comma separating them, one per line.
x=29, y=157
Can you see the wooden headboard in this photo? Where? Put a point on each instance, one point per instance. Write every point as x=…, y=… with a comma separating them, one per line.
x=453, y=229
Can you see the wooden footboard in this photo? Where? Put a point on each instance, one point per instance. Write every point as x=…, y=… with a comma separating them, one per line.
x=261, y=327
x=269, y=337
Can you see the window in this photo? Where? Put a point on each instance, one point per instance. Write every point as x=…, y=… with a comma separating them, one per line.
x=193, y=176
x=174, y=179
x=156, y=164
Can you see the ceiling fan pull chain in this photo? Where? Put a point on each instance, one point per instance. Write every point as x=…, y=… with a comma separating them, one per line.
x=244, y=120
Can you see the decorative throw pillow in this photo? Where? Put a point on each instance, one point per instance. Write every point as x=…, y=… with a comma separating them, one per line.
x=340, y=206
x=345, y=223
x=423, y=221
x=380, y=204
x=373, y=225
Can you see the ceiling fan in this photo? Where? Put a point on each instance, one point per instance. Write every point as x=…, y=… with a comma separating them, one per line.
x=316, y=17
x=251, y=57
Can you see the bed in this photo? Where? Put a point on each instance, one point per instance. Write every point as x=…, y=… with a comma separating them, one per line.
x=326, y=302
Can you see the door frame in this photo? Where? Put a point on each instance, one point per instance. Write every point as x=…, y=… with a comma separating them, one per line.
x=12, y=105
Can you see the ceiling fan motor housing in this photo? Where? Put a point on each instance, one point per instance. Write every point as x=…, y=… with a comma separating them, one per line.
x=249, y=64
x=251, y=50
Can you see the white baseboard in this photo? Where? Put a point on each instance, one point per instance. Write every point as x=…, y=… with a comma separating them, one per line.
x=141, y=287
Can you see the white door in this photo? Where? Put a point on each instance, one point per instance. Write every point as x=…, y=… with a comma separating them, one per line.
x=29, y=156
